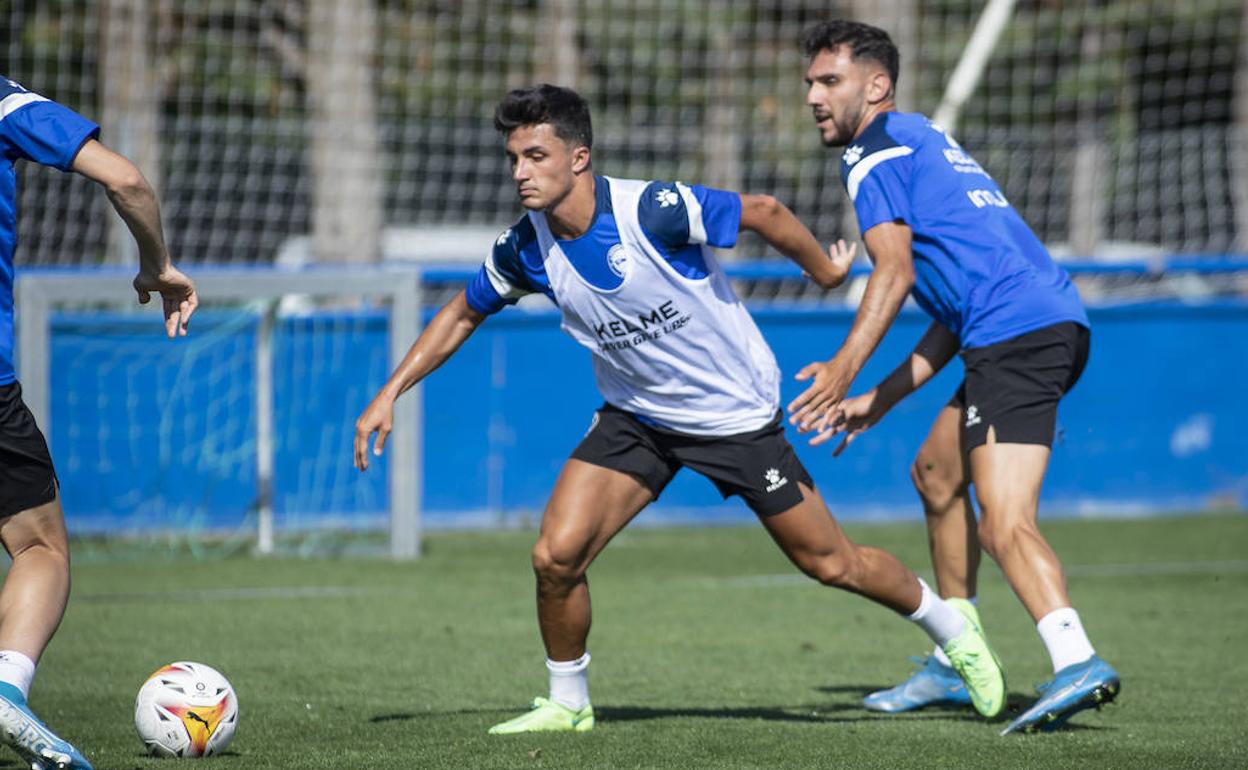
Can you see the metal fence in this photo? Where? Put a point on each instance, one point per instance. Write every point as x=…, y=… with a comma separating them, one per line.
x=1115, y=126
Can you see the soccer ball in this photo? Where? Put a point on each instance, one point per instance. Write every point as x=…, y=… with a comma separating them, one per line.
x=186, y=710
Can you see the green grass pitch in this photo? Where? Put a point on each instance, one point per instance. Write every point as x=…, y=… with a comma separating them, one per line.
x=706, y=654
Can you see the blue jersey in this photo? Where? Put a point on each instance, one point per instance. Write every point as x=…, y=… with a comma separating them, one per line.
x=642, y=291
x=979, y=269
x=33, y=128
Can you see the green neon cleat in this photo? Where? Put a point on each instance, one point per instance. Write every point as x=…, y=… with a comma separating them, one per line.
x=547, y=716
x=976, y=663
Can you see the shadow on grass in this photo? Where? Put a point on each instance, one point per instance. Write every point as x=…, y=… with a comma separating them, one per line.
x=808, y=713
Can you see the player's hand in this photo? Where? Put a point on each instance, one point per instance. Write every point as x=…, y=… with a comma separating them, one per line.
x=851, y=417
x=377, y=418
x=177, y=293
x=841, y=257
x=812, y=410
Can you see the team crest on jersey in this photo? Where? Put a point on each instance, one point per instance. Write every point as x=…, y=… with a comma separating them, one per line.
x=852, y=154
x=617, y=260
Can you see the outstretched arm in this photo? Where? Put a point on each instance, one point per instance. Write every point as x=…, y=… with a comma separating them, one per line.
x=453, y=324
x=888, y=244
x=855, y=415
x=777, y=225
x=136, y=203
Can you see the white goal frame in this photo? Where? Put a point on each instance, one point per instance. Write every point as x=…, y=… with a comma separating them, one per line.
x=39, y=293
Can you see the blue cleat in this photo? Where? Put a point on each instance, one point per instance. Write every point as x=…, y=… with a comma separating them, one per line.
x=31, y=739
x=934, y=683
x=1085, y=685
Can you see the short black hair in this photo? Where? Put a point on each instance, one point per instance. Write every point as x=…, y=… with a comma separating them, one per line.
x=562, y=108
x=864, y=41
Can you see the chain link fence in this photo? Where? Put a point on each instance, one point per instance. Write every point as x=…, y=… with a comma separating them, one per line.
x=1117, y=127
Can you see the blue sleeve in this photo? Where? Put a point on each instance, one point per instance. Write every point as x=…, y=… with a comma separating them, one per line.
x=675, y=215
x=502, y=280
x=481, y=295
x=883, y=195
x=39, y=130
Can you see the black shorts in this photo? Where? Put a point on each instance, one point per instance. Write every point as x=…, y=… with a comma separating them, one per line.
x=1013, y=386
x=27, y=479
x=760, y=465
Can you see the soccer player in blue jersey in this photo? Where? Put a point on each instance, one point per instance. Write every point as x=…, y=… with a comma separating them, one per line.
x=32, y=525
x=938, y=228
x=687, y=378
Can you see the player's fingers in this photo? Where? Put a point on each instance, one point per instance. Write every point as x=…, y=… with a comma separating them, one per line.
x=821, y=437
x=188, y=309
x=841, y=447
x=807, y=371
x=801, y=406
x=361, y=446
x=853, y=250
x=813, y=413
x=380, y=445
x=145, y=296
x=171, y=318
x=838, y=420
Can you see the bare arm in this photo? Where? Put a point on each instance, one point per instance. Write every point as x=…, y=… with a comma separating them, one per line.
x=131, y=196
x=889, y=246
x=777, y=225
x=853, y=416
x=453, y=324
x=136, y=203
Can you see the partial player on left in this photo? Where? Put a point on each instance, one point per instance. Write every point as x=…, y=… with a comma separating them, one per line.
x=32, y=524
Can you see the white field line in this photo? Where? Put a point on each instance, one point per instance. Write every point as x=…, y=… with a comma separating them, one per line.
x=236, y=594
x=1180, y=568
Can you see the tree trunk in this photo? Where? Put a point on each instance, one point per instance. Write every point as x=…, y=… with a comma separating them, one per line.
x=558, y=57
x=129, y=102
x=1239, y=140
x=345, y=146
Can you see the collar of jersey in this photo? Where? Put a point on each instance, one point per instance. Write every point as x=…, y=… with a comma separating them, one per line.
x=602, y=202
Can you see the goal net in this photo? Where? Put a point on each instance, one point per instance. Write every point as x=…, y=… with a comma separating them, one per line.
x=239, y=435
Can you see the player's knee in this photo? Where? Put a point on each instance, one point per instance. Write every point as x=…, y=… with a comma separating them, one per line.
x=43, y=542
x=555, y=564
x=996, y=533
x=50, y=551
x=836, y=570
x=935, y=482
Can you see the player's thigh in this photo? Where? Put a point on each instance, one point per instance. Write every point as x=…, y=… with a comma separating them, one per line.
x=940, y=468
x=43, y=525
x=1007, y=478
x=589, y=505
x=30, y=511
x=810, y=535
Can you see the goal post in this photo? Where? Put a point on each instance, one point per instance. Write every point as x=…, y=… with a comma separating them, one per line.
x=262, y=296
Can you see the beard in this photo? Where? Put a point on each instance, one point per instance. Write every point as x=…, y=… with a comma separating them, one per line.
x=843, y=127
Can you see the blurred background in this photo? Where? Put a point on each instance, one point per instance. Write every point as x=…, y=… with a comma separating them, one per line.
x=282, y=134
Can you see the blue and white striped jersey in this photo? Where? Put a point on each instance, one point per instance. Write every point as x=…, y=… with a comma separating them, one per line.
x=979, y=269
x=33, y=128
x=641, y=289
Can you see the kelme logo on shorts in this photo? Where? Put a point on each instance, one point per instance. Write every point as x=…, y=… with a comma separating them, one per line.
x=774, y=479
x=972, y=416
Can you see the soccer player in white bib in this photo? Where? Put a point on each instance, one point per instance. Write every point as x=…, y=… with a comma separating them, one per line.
x=687, y=378
x=939, y=228
x=32, y=524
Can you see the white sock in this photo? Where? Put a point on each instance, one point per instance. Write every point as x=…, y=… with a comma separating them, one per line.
x=938, y=653
x=941, y=622
x=1064, y=637
x=17, y=669
x=569, y=682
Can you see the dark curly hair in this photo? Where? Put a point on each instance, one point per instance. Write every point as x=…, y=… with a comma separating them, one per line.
x=864, y=41
x=562, y=108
